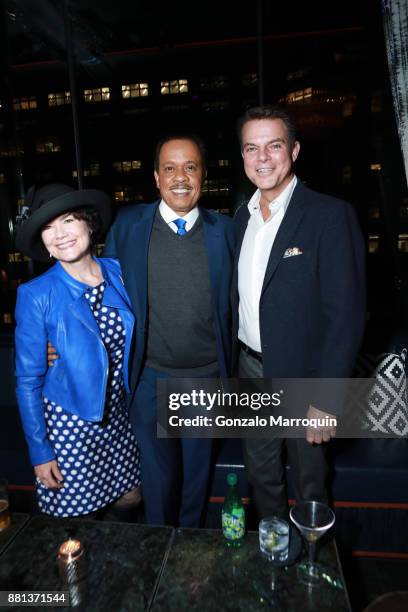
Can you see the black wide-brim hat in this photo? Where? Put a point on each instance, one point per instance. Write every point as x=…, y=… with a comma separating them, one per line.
x=51, y=201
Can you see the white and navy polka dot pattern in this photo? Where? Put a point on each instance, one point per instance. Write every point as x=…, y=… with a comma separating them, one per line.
x=99, y=461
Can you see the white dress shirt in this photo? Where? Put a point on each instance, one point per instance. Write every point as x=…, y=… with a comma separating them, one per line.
x=169, y=216
x=253, y=260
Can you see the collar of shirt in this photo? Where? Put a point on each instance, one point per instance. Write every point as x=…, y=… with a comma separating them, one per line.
x=282, y=201
x=169, y=216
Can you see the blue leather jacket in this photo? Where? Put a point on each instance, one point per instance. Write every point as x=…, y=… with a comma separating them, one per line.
x=53, y=307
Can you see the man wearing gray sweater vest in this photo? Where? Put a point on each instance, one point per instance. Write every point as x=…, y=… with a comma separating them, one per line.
x=177, y=262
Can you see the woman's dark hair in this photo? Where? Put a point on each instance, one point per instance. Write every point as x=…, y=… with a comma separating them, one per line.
x=92, y=219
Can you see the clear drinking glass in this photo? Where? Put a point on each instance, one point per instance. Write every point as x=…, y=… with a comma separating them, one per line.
x=4, y=505
x=313, y=519
x=274, y=538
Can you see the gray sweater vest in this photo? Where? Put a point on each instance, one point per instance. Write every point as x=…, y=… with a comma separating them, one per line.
x=181, y=337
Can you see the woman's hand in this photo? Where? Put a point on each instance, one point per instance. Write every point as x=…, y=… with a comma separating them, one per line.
x=49, y=474
x=52, y=354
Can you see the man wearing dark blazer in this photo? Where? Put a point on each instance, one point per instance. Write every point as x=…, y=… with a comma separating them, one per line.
x=177, y=262
x=298, y=299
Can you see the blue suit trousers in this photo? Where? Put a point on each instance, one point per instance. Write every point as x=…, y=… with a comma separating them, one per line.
x=174, y=472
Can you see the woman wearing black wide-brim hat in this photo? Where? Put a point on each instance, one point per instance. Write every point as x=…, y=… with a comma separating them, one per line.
x=74, y=413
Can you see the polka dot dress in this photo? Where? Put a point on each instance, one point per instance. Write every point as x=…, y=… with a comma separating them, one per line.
x=99, y=461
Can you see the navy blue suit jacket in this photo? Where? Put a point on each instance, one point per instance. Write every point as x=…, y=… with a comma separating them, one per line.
x=128, y=240
x=312, y=306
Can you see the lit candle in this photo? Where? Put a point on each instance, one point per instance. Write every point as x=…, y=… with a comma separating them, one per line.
x=72, y=569
x=70, y=549
x=71, y=561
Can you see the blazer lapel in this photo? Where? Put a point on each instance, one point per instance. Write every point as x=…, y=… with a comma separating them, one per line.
x=115, y=293
x=241, y=229
x=241, y=223
x=135, y=269
x=288, y=227
x=213, y=242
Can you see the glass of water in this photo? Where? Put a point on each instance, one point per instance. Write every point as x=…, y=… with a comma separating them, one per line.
x=274, y=538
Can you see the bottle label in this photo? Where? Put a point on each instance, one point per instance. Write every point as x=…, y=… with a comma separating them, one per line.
x=233, y=524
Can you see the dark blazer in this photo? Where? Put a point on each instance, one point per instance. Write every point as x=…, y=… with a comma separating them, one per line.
x=312, y=306
x=128, y=240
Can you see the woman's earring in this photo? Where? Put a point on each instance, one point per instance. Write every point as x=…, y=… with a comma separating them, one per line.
x=50, y=255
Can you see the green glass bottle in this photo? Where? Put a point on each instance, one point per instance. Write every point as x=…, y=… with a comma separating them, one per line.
x=233, y=514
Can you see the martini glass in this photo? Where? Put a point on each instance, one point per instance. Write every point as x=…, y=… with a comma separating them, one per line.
x=312, y=519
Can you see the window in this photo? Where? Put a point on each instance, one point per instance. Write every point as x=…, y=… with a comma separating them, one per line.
x=175, y=108
x=349, y=105
x=373, y=243
x=48, y=145
x=376, y=102
x=375, y=167
x=347, y=174
x=298, y=74
x=2, y=178
x=214, y=82
x=322, y=96
x=299, y=96
x=403, y=243
x=94, y=169
x=11, y=151
x=27, y=103
x=134, y=110
x=59, y=99
x=127, y=194
x=120, y=195
x=404, y=208
x=250, y=79
x=216, y=187
x=215, y=106
x=177, y=86
x=374, y=212
x=127, y=166
x=7, y=318
x=135, y=90
x=223, y=163
x=17, y=257
x=100, y=94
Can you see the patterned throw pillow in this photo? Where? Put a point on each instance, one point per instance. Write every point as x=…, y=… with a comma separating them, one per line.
x=386, y=401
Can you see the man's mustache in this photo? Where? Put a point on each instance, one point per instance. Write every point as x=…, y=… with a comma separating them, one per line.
x=181, y=186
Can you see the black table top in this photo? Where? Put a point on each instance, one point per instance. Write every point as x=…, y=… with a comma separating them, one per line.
x=140, y=567
x=201, y=573
x=124, y=561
